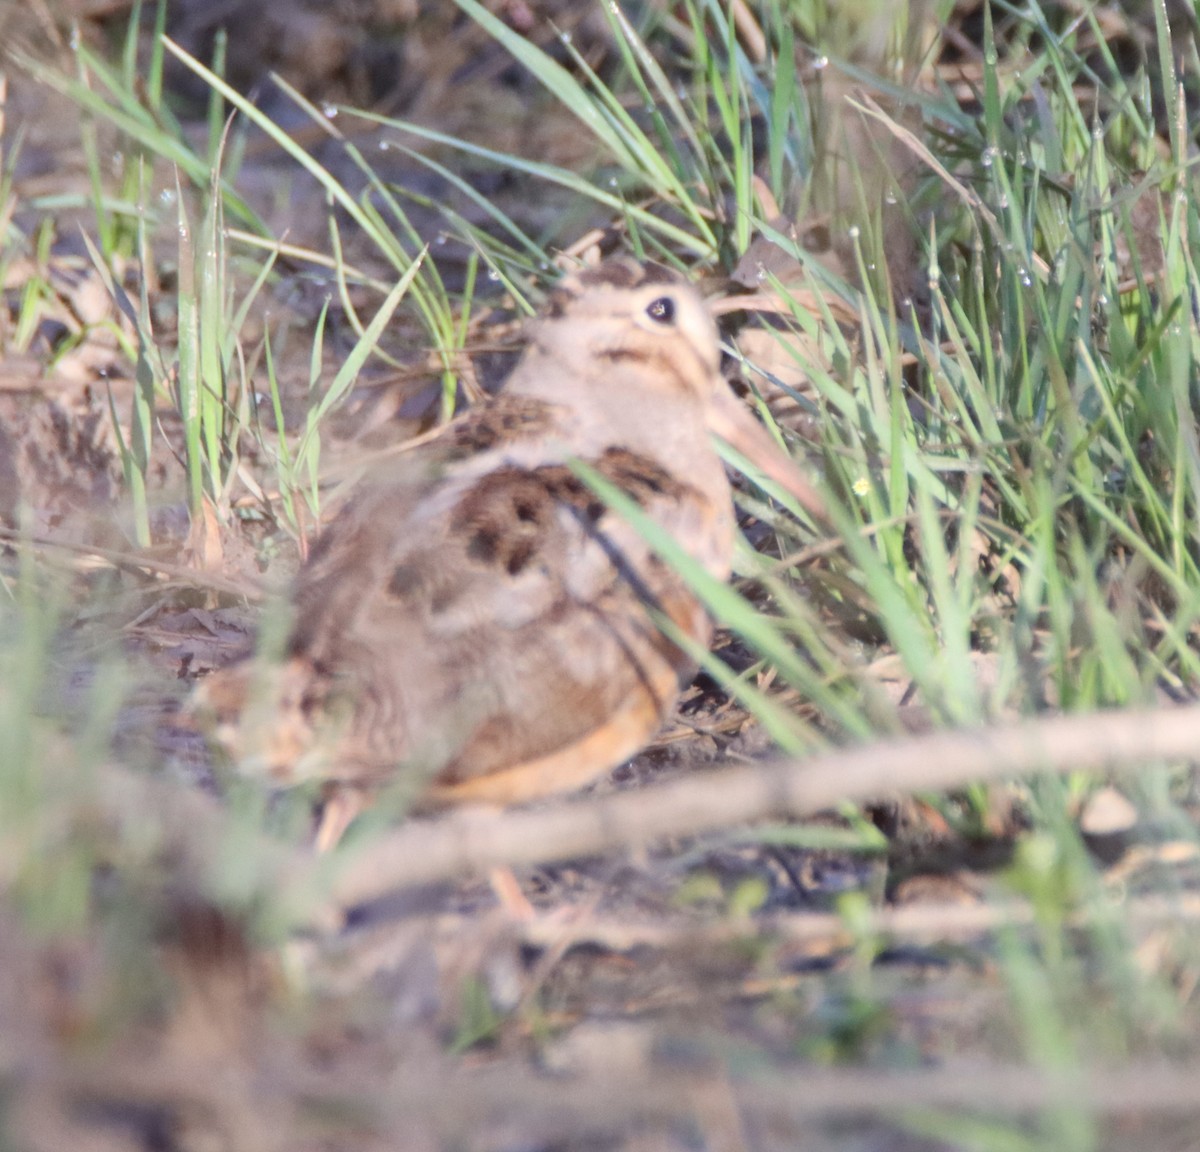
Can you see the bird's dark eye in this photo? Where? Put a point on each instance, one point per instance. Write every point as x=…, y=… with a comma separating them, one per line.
x=662, y=310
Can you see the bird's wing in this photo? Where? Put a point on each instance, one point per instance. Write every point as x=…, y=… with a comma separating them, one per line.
x=487, y=609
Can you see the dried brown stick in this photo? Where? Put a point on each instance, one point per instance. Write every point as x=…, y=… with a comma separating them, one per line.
x=611, y=1093
x=137, y=563
x=916, y=923
x=470, y=841
x=373, y=952
x=981, y=1087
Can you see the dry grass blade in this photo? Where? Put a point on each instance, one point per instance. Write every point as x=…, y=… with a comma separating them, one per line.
x=91, y=556
x=969, y=197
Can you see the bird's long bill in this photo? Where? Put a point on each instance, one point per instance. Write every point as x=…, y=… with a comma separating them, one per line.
x=729, y=419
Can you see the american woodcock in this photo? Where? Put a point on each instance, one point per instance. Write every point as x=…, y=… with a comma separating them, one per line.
x=477, y=616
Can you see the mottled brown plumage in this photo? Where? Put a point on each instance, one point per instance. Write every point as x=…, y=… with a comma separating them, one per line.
x=476, y=616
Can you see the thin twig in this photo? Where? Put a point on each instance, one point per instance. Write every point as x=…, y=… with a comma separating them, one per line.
x=967, y=195
x=138, y=563
x=614, y=1093
x=473, y=840
x=914, y=924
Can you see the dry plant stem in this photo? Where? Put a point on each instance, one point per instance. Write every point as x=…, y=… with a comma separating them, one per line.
x=969, y=197
x=459, y=1103
x=749, y=31
x=91, y=556
x=1008, y=1089
x=473, y=840
x=805, y=933
x=917, y=924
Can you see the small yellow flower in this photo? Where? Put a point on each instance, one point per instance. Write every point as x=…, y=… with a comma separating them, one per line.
x=861, y=486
